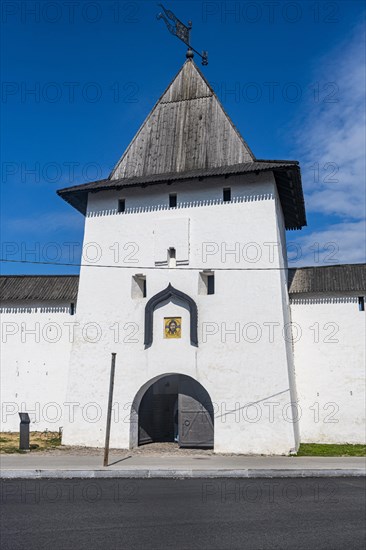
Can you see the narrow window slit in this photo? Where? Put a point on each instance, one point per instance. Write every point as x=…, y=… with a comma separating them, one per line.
x=172, y=200
x=226, y=194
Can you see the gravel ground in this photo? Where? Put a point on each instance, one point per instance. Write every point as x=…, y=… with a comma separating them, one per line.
x=168, y=449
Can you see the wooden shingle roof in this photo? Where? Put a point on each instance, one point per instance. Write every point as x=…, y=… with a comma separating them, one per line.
x=332, y=278
x=303, y=280
x=39, y=287
x=187, y=129
x=188, y=135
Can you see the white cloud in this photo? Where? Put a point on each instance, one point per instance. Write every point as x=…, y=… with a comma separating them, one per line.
x=339, y=243
x=333, y=132
x=330, y=142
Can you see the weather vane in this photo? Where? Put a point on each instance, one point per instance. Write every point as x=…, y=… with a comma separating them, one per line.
x=182, y=31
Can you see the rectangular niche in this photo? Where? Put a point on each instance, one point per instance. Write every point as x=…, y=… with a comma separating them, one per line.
x=138, y=288
x=206, y=283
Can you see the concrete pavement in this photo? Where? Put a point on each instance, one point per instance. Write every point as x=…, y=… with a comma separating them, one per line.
x=122, y=465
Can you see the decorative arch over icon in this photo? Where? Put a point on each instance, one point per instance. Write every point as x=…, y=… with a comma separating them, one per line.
x=168, y=294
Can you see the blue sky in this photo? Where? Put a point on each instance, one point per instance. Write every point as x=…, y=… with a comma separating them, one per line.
x=79, y=78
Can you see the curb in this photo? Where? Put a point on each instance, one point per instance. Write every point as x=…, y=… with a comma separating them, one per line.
x=180, y=474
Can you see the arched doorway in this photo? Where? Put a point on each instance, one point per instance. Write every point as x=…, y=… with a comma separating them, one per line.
x=172, y=407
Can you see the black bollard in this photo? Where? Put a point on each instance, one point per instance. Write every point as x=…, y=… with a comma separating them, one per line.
x=24, y=432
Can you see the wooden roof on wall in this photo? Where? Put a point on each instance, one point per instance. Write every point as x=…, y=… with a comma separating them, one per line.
x=302, y=280
x=41, y=288
x=332, y=278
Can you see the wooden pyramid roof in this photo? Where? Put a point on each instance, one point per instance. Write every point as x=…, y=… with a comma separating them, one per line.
x=187, y=129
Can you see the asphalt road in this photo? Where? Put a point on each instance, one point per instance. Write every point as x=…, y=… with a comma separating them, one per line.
x=151, y=514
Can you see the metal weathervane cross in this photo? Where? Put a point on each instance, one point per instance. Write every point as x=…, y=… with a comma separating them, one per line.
x=182, y=31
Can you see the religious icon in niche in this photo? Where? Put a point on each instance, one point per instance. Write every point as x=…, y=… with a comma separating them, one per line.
x=172, y=327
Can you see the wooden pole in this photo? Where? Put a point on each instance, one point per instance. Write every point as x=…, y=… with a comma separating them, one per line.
x=109, y=411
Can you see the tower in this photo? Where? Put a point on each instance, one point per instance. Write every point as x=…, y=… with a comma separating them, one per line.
x=185, y=278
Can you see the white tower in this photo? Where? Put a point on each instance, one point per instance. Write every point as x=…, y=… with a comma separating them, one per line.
x=185, y=278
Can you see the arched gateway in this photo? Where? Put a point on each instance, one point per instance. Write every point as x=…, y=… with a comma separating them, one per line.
x=172, y=407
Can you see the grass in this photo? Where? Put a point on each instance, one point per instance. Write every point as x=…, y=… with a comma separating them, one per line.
x=38, y=441
x=317, y=449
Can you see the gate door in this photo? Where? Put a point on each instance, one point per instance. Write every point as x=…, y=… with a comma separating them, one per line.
x=195, y=415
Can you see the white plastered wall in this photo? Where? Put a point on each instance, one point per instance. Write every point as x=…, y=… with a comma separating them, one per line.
x=330, y=367
x=246, y=374
x=35, y=351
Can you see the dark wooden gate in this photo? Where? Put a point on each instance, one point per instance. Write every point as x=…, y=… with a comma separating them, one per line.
x=195, y=415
